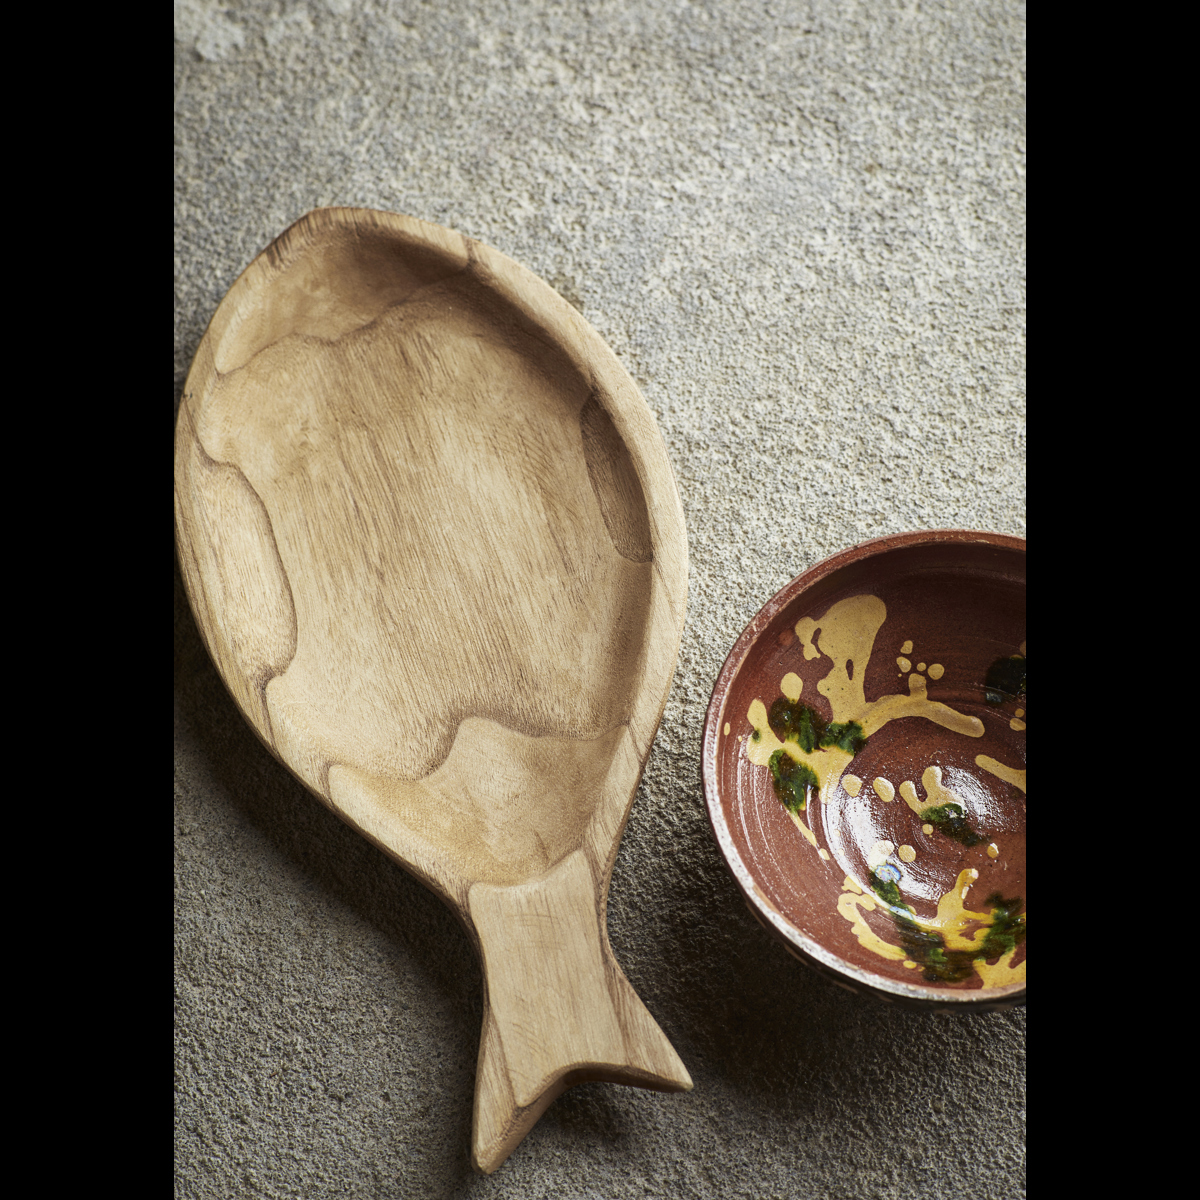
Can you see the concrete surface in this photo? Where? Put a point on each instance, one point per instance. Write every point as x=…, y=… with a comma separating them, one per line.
x=800, y=226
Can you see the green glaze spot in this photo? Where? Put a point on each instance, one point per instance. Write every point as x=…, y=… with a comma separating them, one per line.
x=1005, y=679
x=1007, y=930
x=791, y=780
x=949, y=819
x=887, y=889
x=792, y=721
x=847, y=736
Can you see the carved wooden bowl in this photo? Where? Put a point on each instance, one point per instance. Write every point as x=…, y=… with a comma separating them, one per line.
x=864, y=768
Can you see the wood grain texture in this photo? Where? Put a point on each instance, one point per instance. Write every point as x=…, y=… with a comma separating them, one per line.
x=433, y=543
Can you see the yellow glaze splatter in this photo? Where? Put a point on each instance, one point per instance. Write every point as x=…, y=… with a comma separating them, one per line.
x=879, y=854
x=935, y=792
x=846, y=634
x=726, y=728
x=1015, y=724
x=762, y=743
x=957, y=924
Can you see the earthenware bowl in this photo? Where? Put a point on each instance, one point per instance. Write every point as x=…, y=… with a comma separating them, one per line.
x=864, y=768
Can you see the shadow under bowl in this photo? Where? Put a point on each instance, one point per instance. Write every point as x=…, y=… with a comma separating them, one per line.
x=864, y=768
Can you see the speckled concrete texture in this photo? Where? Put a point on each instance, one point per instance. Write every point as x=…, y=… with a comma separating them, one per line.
x=800, y=227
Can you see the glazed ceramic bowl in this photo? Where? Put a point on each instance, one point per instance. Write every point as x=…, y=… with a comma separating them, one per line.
x=864, y=768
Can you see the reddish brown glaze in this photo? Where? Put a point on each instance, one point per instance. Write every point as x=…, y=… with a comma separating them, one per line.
x=959, y=596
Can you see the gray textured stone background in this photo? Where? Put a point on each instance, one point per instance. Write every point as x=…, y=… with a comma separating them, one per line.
x=800, y=227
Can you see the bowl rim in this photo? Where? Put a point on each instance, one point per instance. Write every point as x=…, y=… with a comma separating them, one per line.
x=809, y=951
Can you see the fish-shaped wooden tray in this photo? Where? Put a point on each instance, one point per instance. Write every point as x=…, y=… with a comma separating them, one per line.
x=432, y=540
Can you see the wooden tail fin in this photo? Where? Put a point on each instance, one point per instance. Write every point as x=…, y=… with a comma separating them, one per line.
x=559, y=1010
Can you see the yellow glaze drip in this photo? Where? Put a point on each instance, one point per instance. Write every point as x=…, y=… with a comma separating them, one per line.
x=762, y=743
x=848, y=907
x=791, y=685
x=823, y=854
x=936, y=671
x=1017, y=725
x=848, y=632
x=1008, y=774
x=726, y=728
x=903, y=663
x=908, y=793
x=1003, y=973
x=993, y=850
x=927, y=828
x=931, y=781
x=810, y=837
x=906, y=649
x=917, y=704
x=906, y=854
x=852, y=784
x=953, y=916
x=920, y=666
x=884, y=790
